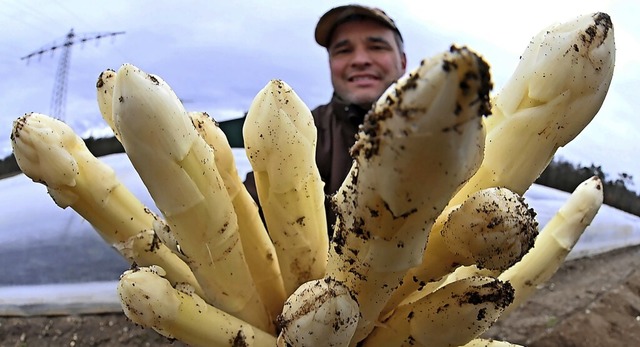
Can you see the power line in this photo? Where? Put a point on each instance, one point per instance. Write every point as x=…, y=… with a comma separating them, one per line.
x=58, y=97
x=73, y=14
x=23, y=11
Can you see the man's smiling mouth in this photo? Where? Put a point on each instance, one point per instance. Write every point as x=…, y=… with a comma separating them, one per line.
x=362, y=78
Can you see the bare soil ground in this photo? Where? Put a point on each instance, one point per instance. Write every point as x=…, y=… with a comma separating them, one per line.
x=589, y=302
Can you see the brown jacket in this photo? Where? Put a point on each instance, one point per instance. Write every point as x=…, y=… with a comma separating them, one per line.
x=337, y=124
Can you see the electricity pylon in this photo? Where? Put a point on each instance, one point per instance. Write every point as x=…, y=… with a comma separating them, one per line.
x=59, y=95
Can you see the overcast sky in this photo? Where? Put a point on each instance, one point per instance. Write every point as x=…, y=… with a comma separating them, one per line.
x=218, y=54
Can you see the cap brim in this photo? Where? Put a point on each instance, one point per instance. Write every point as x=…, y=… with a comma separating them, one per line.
x=335, y=16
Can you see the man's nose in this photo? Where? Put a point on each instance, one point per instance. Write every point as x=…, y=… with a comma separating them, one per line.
x=361, y=57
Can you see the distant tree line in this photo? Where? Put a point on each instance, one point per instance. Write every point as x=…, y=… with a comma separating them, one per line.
x=560, y=174
x=565, y=176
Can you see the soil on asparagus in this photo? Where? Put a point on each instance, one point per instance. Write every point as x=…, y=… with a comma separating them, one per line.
x=589, y=302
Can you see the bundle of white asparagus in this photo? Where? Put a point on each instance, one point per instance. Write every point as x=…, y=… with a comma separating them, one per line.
x=433, y=242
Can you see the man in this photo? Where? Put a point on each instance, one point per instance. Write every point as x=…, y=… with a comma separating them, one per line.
x=366, y=56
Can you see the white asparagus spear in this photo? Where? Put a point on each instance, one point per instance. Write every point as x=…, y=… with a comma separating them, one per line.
x=450, y=316
x=280, y=140
x=319, y=313
x=479, y=342
x=494, y=228
x=555, y=241
x=48, y=151
x=104, y=93
x=177, y=166
x=556, y=90
x=259, y=251
x=422, y=140
x=149, y=300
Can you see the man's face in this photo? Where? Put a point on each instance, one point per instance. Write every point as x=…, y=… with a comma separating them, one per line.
x=364, y=60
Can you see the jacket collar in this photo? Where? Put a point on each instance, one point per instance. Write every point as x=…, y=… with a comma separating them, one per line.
x=343, y=110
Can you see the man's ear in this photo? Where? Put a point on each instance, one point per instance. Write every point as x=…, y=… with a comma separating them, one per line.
x=403, y=61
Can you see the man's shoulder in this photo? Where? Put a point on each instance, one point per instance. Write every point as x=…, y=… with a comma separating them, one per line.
x=322, y=109
x=322, y=115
